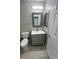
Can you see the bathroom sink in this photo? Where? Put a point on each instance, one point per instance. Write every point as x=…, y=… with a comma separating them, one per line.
x=38, y=32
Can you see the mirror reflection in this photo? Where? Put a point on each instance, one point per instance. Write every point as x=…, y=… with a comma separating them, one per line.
x=36, y=18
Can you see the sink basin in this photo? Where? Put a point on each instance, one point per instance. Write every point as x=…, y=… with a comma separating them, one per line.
x=38, y=32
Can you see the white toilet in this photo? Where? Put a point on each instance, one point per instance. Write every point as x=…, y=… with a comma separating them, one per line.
x=24, y=42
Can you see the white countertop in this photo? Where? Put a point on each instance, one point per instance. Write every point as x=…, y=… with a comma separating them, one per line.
x=38, y=32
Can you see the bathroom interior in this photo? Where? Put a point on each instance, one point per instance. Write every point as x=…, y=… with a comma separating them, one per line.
x=38, y=29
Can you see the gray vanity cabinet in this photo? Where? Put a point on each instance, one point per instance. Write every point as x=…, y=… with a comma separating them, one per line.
x=38, y=39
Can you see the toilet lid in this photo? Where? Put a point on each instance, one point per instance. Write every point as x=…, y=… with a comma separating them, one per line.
x=24, y=42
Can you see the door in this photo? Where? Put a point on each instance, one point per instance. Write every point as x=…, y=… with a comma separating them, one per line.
x=52, y=43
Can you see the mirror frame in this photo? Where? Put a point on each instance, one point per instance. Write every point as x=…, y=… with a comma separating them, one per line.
x=33, y=19
x=46, y=18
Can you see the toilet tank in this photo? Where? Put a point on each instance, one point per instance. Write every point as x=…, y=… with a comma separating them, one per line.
x=25, y=34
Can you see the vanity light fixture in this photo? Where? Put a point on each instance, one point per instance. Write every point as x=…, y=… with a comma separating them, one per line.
x=37, y=7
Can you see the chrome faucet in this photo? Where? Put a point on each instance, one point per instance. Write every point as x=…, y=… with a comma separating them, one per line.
x=37, y=28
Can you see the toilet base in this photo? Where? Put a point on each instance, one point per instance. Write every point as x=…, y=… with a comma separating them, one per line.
x=25, y=48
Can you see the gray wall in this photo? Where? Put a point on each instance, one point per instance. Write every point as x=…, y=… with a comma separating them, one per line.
x=26, y=12
x=25, y=16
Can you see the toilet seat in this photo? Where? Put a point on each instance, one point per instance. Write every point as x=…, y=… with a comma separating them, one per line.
x=24, y=42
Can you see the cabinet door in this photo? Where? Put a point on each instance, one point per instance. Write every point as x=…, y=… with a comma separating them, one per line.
x=38, y=39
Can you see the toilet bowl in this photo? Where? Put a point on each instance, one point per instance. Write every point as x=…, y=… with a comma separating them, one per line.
x=24, y=42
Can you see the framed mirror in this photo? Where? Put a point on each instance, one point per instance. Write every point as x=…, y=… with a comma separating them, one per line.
x=46, y=19
x=37, y=19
